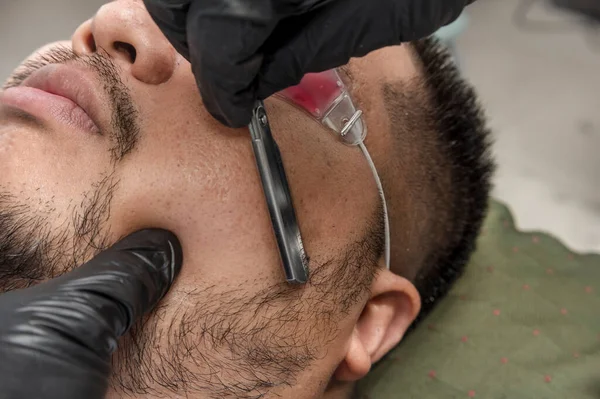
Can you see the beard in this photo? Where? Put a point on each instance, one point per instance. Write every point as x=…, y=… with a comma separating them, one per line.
x=238, y=343
x=219, y=343
x=32, y=251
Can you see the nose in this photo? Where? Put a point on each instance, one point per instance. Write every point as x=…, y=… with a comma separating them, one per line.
x=125, y=30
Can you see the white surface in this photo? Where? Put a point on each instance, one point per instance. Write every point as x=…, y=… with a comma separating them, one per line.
x=541, y=91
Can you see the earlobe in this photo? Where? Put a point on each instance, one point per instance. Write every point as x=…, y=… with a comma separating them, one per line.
x=393, y=306
x=357, y=362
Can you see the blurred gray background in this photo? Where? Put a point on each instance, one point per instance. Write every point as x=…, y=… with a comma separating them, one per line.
x=538, y=74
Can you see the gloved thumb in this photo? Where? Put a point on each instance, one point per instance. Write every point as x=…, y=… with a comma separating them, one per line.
x=98, y=302
x=131, y=277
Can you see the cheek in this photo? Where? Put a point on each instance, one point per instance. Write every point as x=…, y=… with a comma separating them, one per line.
x=206, y=190
x=190, y=175
x=333, y=188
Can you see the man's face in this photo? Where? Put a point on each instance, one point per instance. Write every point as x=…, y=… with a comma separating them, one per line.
x=145, y=153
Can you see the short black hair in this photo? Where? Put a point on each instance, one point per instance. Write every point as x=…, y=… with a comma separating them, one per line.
x=444, y=162
x=464, y=139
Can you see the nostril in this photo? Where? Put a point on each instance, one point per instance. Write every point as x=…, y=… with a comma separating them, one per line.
x=90, y=43
x=127, y=49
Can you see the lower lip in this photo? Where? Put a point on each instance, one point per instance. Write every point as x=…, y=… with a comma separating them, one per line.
x=48, y=107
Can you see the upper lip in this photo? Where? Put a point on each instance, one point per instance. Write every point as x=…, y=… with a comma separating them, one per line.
x=71, y=83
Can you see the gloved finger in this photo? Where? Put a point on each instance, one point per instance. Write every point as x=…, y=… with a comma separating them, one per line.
x=421, y=18
x=224, y=46
x=116, y=287
x=329, y=39
x=171, y=18
x=326, y=40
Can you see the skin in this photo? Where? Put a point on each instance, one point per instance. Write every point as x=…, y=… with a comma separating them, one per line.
x=189, y=174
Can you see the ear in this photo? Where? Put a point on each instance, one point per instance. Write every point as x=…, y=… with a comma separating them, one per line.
x=392, y=307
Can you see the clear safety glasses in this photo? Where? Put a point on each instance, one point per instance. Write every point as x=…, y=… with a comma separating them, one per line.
x=325, y=97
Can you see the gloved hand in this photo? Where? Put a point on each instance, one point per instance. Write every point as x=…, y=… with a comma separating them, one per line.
x=244, y=50
x=56, y=338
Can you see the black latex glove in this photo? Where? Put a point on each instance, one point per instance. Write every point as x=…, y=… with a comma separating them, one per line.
x=244, y=50
x=56, y=338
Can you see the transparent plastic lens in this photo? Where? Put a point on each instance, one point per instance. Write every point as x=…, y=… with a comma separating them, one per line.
x=324, y=96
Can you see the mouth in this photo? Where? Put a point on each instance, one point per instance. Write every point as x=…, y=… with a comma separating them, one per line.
x=58, y=93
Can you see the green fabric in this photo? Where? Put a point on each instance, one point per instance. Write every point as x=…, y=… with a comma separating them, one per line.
x=523, y=322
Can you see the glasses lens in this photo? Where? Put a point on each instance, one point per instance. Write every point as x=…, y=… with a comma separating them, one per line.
x=325, y=97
